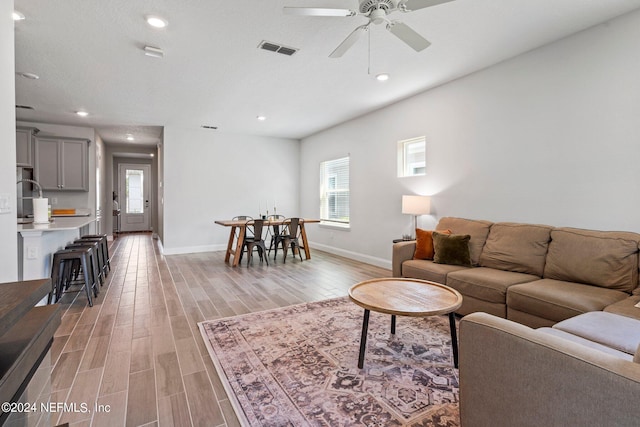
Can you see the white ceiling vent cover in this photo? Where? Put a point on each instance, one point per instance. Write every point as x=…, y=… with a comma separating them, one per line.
x=274, y=47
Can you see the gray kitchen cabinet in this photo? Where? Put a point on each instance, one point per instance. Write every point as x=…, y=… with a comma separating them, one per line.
x=24, y=146
x=62, y=163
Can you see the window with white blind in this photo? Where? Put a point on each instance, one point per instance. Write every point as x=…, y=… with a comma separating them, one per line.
x=412, y=157
x=334, y=192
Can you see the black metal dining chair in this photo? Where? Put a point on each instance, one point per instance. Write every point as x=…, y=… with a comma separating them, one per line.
x=236, y=236
x=273, y=231
x=255, y=241
x=288, y=237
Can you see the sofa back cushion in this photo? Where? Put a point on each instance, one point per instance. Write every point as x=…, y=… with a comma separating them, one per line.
x=521, y=248
x=601, y=258
x=477, y=229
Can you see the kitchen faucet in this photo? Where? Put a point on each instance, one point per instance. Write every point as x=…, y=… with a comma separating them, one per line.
x=34, y=182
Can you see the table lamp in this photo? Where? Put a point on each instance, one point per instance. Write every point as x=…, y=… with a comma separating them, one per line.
x=416, y=205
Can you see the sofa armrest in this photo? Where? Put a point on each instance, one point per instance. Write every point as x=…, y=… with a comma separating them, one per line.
x=512, y=375
x=402, y=251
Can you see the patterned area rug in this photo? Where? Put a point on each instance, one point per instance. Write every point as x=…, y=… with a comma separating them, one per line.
x=297, y=366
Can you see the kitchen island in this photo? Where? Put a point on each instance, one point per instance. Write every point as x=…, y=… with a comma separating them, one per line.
x=38, y=242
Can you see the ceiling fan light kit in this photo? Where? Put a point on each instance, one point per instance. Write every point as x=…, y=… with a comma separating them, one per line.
x=377, y=12
x=154, y=52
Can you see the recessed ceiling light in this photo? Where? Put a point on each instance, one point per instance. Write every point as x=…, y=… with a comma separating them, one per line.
x=82, y=113
x=130, y=138
x=382, y=77
x=17, y=16
x=261, y=118
x=30, y=76
x=151, y=155
x=156, y=21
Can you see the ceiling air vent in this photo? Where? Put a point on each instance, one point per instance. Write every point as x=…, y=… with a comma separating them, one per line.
x=25, y=107
x=209, y=127
x=273, y=47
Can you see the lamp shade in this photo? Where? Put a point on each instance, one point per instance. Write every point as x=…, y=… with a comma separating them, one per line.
x=416, y=205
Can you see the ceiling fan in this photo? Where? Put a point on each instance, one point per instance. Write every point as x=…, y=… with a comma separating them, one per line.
x=377, y=12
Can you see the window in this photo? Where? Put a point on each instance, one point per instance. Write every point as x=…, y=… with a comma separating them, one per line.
x=334, y=192
x=134, y=195
x=412, y=157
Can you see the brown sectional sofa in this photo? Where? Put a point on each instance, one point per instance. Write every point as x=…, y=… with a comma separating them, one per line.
x=536, y=275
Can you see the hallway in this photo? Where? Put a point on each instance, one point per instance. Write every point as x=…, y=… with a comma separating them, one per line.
x=138, y=352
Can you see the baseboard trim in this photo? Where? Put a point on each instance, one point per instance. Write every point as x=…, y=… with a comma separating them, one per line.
x=190, y=249
x=367, y=259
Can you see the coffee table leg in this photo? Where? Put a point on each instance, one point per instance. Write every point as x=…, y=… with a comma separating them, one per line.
x=454, y=338
x=393, y=324
x=363, y=338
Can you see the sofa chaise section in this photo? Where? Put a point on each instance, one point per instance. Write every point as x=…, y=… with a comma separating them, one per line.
x=513, y=375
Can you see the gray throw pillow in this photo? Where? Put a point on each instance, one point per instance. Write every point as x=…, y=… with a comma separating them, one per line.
x=451, y=249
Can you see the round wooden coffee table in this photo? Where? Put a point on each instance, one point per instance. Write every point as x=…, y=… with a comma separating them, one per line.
x=405, y=297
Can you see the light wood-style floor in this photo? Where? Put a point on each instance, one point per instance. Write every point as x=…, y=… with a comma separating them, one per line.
x=138, y=352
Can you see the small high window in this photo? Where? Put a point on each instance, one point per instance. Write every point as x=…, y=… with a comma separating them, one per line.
x=412, y=157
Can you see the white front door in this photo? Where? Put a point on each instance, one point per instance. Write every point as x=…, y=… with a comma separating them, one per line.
x=135, y=206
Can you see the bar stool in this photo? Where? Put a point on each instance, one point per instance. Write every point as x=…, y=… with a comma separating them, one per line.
x=96, y=258
x=75, y=268
x=63, y=270
x=104, y=243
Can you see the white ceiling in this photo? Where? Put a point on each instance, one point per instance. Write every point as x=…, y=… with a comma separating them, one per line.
x=88, y=54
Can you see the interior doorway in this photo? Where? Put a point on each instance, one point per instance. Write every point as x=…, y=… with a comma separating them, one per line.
x=134, y=196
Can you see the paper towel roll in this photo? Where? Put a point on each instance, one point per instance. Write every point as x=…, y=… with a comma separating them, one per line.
x=41, y=210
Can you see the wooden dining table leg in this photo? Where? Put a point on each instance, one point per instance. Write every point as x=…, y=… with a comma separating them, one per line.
x=230, y=244
x=305, y=243
x=236, y=256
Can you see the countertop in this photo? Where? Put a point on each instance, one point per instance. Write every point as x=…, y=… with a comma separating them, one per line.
x=59, y=223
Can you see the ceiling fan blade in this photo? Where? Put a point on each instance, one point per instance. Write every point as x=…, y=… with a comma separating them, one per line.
x=407, y=35
x=410, y=5
x=317, y=11
x=349, y=41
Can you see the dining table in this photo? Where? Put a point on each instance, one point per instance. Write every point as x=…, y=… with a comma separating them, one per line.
x=239, y=229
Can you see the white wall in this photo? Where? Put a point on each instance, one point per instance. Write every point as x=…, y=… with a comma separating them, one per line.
x=211, y=175
x=102, y=204
x=548, y=137
x=8, y=188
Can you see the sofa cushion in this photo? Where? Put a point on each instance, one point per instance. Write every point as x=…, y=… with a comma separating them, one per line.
x=626, y=307
x=557, y=300
x=477, y=229
x=516, y=247
x=585, y=342
x=452, y=249
x=424, y=243
x=486, y=284
x=428, y=270
x=599, y=258
x=619, y=332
